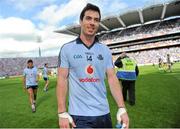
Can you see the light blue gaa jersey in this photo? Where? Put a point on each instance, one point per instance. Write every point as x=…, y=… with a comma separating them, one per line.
x=45, y=72
x=31, y=75
x=87, y=67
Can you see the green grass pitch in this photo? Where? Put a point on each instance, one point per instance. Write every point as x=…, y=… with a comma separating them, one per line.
x=157, y=102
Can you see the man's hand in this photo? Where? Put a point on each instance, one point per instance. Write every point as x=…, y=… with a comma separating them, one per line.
x=122, y=118
x=65, y=120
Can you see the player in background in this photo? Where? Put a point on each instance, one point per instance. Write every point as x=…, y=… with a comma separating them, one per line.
x=160, y=63
x=169, y=63
x=45, y=76
x=30, y=82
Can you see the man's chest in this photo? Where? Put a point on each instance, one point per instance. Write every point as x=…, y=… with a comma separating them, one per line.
x=30, y=72
x=82, y=58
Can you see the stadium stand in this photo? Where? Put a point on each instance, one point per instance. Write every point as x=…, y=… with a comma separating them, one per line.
x=141, y=32
x=145, y=35
x=15, y=66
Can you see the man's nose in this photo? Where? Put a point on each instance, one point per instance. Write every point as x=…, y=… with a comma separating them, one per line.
x=92, y=21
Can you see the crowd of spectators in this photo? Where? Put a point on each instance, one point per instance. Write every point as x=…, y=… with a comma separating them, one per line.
x=147, y=46
x=146, y=53
x=141, y=32
x=15, y=66
x=152, y=56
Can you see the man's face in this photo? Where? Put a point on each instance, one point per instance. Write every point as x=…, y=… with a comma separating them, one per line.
x=90, y=23
x=30, y=64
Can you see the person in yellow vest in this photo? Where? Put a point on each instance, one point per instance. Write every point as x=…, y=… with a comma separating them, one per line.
x=127, y=73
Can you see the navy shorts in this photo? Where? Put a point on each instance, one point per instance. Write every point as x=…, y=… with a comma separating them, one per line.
x=103, y=121
x=45, y=78
x=33, y=87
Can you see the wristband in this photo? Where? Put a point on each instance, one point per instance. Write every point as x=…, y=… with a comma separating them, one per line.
x=65, y=115
x=120, y=112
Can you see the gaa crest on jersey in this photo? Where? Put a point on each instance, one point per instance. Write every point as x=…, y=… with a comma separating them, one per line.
x=78, y=56
x=100, y=57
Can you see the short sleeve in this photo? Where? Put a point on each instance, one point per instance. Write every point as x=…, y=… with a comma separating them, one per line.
x=36, y=70
x=24, y=72
x=109, y=62
x=63, y=59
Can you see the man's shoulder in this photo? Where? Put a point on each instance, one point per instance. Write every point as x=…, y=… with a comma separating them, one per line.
x=34, y=68
x=69, y=44
x=25, y=69
x=102, y=45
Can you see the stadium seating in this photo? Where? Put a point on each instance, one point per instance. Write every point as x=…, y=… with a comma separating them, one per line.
x=143, y=52
x=15, y=66
x=140, y=32
x=132, y=41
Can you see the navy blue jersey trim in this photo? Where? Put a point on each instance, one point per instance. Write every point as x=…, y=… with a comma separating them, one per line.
x=79, y=41
x=31, y=67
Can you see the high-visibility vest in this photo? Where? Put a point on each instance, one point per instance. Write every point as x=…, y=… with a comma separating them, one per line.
x=128, y=70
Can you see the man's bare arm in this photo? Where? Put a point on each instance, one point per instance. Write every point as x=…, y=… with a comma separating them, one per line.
x=115, y=87
x=62, y=87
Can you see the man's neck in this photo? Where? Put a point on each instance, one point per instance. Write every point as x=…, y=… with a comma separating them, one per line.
x=87, y=40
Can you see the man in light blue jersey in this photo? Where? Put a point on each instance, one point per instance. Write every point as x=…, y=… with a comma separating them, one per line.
x=45, y=76
x=30, y=82
x=82, y=71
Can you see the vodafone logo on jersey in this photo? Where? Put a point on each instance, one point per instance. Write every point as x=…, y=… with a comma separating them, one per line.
x=89, y=70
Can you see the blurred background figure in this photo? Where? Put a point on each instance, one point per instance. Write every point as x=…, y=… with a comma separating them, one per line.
x=169, y=63
x=127, y=74
x=45, y=76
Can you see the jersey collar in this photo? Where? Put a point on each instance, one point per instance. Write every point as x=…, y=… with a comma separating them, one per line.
x=30, y=68
x=79, y=41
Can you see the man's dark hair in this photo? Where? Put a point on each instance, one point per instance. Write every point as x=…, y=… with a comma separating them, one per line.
x=45, y=64
x=90, y=7
x=29, y=61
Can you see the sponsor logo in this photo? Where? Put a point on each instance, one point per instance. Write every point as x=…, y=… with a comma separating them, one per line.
x=77, y=56
x=89, y=70
x=100, y=57
x=89, y=80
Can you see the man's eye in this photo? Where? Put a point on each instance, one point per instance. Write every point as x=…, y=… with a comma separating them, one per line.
x=88, y=18
x=96, y=19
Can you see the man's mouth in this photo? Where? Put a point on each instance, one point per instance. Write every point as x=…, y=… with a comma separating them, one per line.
x=91, y=29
